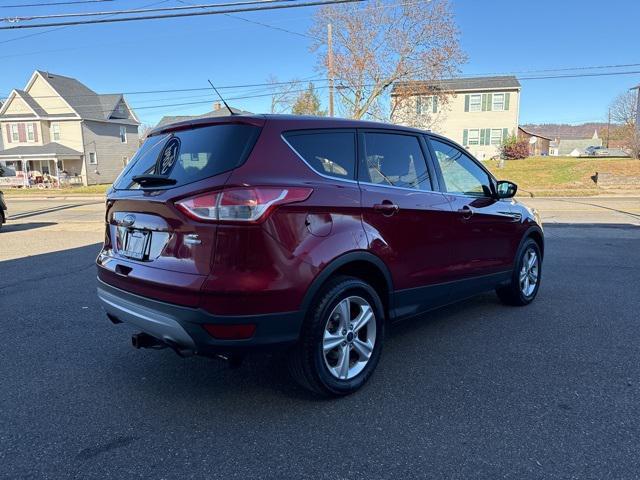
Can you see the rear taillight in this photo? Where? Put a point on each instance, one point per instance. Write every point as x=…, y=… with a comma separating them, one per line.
x=249, y=204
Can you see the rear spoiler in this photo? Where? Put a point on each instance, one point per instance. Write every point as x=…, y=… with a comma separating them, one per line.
x=257, y=121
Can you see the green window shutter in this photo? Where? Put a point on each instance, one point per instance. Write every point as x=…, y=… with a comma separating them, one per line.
x=505, y=133
x=487, y=136
x=482, y=136
x=466, y=103
x=418, y=105
x=465, y=136
x=434, y=104
x=484, y=102
x=506, y=101
x=489, y=103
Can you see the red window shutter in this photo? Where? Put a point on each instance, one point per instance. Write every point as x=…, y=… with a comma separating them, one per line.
x=9, y=139
x=35, y=132
x=22, y=133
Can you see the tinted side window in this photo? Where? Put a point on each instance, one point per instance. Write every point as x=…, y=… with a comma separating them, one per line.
x=460, y=173
x=329, y=153
x=196, y=154
x=396, y=160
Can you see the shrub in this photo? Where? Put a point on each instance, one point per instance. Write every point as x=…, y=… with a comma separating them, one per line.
x=512, y=148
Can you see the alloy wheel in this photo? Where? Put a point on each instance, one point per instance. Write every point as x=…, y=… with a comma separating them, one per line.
x=349, y=337
x=529, y=272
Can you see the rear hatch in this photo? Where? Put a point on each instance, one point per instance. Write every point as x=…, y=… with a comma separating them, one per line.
x=152, y=248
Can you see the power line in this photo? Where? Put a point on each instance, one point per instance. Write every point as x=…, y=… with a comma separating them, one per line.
x=48, y=4
x=178, y=15
x=62, y=28
x=198, y=89
x=137, y=10
x=272, y=85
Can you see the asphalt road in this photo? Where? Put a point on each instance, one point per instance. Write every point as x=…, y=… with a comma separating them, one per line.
x=476, y=390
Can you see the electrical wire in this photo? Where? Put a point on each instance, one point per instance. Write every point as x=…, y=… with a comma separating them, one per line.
x=179, y=15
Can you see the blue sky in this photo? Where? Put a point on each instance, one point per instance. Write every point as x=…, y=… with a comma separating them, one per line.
x=498, y=36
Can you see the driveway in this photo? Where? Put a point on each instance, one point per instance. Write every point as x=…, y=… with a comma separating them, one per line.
x=476, y=390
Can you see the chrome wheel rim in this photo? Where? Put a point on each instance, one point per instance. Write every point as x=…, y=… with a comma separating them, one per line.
x=529, y=272
x=349, y=337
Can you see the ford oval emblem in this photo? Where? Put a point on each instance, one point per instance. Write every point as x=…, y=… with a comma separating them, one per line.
x=168, y=157
x=128, y=220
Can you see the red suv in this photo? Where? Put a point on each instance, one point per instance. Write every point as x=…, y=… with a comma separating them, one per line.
x=227, y=235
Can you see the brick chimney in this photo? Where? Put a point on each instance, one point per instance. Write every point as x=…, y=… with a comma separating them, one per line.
x=217, y=106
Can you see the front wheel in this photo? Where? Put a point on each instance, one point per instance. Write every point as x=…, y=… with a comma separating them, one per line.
x=341, y=338
x=526, y=276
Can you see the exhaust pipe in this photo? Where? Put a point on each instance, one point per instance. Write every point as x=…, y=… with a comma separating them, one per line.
x=144, y=340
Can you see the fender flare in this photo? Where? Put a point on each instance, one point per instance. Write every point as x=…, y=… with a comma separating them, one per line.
x=336, y=264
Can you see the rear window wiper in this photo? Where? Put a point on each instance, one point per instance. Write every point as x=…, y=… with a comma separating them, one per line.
x=151, y=180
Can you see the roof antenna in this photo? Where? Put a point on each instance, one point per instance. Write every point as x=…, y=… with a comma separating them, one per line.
x=223, y=100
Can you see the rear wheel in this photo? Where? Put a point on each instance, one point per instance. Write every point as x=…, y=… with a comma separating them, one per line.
x=341, y=338
x=526, y=276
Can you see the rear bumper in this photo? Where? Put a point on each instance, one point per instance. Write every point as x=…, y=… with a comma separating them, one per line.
x=182, y=327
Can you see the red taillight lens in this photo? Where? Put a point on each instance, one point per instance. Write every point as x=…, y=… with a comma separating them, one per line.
x=241, y=204
x=231, y=332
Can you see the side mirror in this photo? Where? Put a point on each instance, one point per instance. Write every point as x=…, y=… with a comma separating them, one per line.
x=506, y=189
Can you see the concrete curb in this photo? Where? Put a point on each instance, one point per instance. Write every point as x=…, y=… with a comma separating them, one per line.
x=8, y=198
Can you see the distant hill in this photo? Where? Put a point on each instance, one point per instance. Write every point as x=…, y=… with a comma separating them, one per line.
x=563, y=130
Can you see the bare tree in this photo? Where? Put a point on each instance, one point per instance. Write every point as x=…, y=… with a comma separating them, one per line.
x=377, y=44
x=283, y=94
x=624, y=112
x=143, y=131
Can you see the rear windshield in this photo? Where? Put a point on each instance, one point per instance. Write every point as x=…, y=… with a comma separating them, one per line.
x=190, y=155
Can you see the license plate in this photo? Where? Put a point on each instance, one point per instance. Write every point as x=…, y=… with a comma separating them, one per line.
x=134, y=243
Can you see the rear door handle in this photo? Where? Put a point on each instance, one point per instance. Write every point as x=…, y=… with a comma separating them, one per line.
x=466, y=212
x=386, y=207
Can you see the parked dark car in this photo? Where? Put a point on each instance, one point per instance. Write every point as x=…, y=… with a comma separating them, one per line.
x=3, y=210
x=228, y=235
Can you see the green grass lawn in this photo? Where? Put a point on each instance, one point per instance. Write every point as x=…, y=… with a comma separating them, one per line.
x=540, y=176
x=550, y=176
x=89, y=190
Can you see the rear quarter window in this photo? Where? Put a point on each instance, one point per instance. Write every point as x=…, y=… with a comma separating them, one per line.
x=191, y=155
x=330, y=153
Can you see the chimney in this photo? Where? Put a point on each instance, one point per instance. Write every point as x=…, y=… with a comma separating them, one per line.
x=217, y=106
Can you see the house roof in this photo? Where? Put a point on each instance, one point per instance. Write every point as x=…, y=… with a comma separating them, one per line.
x=567, y=145
x=89, y=104
x=52, y=148
x=220, y=112
x=533, y=134
x=31, y=103
x=460, y=84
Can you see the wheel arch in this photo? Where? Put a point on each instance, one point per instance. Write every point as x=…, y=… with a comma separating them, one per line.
x=360, y=264
x=535, y=233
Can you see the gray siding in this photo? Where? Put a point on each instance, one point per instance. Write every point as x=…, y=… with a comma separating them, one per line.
x=103, y=139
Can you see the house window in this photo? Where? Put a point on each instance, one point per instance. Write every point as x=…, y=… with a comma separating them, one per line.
x=93, y=160
x=120, y=108
x=15, y=135
x=31, y=134
x=475, y=103
x=426, y=105
x=498, y=102
x=123, y=134
x=55, y=131
x=474, y=137
x=496, y=136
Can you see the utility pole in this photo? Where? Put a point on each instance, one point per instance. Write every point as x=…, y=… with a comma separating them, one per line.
x=330, y=65
x=608, y=127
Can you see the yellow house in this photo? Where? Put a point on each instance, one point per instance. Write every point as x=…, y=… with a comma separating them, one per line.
x=479, y=113
x=58, y=126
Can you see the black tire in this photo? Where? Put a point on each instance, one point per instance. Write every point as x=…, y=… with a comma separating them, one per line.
x=306, y=361
x=512, y=294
